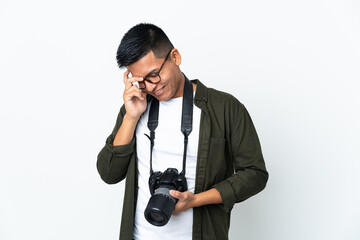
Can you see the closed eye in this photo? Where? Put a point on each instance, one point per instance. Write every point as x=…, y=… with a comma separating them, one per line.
x=151, y=75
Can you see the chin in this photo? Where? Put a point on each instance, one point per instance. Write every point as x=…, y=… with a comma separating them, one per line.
x=161, y=98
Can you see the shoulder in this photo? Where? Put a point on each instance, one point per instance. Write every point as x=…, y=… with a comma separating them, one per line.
x=218, y=101
x=215, y=95
x=224, y=101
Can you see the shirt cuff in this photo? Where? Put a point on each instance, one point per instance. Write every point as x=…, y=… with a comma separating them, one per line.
x=227, y=194
x=121, y=150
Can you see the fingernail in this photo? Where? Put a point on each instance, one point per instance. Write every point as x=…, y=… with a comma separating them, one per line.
x=141, y=78
x=171, y=191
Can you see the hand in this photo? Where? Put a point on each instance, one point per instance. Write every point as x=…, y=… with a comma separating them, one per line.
x=186, y=200
x=134, y=99
x=190, y=200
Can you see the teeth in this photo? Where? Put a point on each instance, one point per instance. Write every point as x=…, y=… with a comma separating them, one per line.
x=158, y=90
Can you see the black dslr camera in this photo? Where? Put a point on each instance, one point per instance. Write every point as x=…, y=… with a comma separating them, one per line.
x=161, y=204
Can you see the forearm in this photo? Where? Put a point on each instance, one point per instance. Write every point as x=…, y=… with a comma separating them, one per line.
x=190, y=200
x=211, y=196
x=126, y=131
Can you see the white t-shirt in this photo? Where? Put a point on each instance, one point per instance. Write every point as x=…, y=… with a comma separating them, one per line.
x=167, y=152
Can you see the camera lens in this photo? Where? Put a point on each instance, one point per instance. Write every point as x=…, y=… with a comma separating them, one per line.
x=156, y=216
x=160, y=207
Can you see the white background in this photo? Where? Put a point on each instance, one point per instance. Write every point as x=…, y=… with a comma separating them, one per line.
x=294, y=64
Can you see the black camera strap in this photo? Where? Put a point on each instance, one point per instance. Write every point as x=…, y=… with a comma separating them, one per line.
x=186, y=121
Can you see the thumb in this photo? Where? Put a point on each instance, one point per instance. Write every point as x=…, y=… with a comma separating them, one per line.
x=175, y=194
x=143, y=94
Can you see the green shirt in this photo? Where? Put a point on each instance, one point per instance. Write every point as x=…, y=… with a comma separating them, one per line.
x=229, y=159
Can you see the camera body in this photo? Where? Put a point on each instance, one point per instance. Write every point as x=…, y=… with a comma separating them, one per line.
x=170, y=177
x=161, y=204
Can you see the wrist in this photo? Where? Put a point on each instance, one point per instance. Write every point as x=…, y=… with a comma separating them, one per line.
x=211, y=196
x=196, y=202
x=126, y=131
x=131, y=119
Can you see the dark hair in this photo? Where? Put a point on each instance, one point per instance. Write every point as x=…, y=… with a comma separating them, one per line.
x=138, y=42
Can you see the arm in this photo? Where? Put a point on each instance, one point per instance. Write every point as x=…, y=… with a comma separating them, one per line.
x=190, y=200
x=250, y=175
x=113, y=160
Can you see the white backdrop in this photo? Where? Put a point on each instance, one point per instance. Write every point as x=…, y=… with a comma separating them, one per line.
x=294, y=64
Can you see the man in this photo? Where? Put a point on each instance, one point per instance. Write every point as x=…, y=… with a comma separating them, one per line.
x=224, y=163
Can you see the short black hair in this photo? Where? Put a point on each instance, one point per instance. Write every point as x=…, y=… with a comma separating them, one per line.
x=138, y=42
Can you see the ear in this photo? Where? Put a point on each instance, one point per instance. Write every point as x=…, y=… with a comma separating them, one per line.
x=175, y=56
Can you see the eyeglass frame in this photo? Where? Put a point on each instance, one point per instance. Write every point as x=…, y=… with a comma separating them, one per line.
x=156, y=73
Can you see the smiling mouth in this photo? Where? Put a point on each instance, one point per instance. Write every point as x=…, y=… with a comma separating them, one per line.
x=158, y=92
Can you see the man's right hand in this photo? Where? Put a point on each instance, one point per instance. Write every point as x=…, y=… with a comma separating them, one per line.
x=134, y=99
x=135, y=104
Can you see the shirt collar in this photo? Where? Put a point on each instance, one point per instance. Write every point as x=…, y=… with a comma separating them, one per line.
x=201, y=93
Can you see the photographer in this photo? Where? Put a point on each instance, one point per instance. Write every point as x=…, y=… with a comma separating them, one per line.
x=193, y=174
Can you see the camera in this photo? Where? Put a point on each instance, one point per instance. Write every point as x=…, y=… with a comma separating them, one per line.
x=161, y=204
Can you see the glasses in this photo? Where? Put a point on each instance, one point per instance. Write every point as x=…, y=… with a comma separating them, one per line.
x=153, y=77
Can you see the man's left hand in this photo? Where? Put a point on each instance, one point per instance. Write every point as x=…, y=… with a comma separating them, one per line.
x=186, y=200
x=190, y=200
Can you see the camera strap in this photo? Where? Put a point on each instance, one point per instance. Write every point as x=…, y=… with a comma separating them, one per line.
x=186, y=121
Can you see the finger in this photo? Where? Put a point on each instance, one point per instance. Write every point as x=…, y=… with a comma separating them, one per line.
x=175, y=212
x=133, y=92
x=143, y=94
x=128, y=81
x=131, y=95
x=126, y=75
x=176, y=209
x=176, y=194
x=133, y=88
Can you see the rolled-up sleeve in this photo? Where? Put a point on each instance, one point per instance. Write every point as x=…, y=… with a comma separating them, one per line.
x=113, y=161
x=250, y=174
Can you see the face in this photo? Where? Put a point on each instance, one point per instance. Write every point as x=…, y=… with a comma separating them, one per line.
x=171, y=77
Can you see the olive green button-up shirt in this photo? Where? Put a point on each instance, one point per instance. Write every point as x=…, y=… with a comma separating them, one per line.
x=229, y=160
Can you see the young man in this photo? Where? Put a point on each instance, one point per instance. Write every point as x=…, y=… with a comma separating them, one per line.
x=224, y=163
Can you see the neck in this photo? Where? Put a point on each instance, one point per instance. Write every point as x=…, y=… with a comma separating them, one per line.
x=180, y=90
